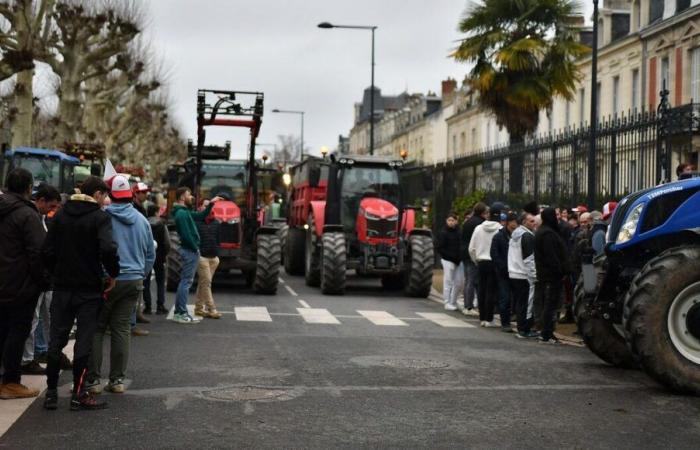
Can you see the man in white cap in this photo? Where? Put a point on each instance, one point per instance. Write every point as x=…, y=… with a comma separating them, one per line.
x=133, y=236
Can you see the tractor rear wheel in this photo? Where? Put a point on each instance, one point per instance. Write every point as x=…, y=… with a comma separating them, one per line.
x=419, y=276
x=662, y=318
x=283, y=234
x=294, y=251
x=601, y=336
x=174, y=264
x=268, y=264
x=333, y=263
x=312, y=267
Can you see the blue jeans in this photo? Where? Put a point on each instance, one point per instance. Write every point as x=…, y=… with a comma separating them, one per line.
x=189, y=266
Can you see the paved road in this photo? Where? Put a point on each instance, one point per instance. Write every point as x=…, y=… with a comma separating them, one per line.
x=308, y=371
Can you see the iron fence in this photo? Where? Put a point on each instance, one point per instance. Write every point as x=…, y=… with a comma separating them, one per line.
x=634, y=151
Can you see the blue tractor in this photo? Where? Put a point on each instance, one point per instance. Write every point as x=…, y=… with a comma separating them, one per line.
x=47, y=166
x=639, y=304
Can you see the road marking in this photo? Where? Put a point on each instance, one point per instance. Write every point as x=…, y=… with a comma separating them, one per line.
x=304, y=304
x=291, y=291
x=445, y=320
x=382, y=318
x=317, y=315
x=252, y=314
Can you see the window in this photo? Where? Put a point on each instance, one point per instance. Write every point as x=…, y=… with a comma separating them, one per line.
x=635, y=89
x=488, y=134
x=616, y=95
x=454, y=144
x=568, y=114
x=581, y=104
x=663, y=79
x=695, y=75
x=550, y=119
x=475, y=146
x=462, y=142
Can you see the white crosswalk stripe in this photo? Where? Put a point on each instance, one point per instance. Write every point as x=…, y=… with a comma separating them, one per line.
x=445, y=320
x=382, y=318
x=317, y=315
x=252, y=314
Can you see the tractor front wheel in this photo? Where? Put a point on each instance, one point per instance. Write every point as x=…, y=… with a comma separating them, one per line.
x=419, y=276
x=333, y=263
x=268, y=264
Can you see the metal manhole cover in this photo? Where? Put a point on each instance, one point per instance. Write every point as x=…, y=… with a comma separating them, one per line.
x=415, y=363
x=247, y=393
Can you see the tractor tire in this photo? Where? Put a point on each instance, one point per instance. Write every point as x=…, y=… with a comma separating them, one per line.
x=661, y=318
x=283, y=234
x=600, y=335
x=312, y=266
x=294, y=252
x=267, y=271
x=174, y=264
x=333, y=263
x=393, y=282
x=419, y=276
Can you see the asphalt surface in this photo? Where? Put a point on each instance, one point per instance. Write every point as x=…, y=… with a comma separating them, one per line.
x=287, y=383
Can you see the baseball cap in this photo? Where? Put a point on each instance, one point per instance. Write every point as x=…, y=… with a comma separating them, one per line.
x=609, y=209
x=140, y=187
x=119, y=187
x=580, y=209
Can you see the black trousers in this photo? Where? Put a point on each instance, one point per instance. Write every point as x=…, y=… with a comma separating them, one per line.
x=66, y=308
x=160, y=287
x=550, y=295
x=15, y=325
x=487, y=290
x=520, y=289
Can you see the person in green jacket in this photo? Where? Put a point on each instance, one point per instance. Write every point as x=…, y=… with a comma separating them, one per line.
x=189, y=248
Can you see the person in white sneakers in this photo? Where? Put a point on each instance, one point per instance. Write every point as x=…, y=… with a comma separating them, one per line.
x=448, y=249
x=480, y=253
x=522, y=273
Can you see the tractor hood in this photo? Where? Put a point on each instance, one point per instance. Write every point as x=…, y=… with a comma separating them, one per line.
x=376, y=208
x=226, y=211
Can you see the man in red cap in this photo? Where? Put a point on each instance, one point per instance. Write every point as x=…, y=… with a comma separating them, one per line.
x=140, y=191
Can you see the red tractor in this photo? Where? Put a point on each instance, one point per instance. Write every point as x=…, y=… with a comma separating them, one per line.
x=347, y=213
x=247, y=244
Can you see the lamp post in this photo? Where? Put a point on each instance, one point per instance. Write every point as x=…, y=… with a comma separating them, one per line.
x=301, y=113
x=591, y=197
x=371, y=94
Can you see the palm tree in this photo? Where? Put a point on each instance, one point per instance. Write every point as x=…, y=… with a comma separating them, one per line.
x=523, y=54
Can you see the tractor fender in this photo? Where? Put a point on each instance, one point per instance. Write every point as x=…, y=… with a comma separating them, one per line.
x=267, y=230
x=332, y=228
x=318, y=207
x=420, y=232
x=408, y=220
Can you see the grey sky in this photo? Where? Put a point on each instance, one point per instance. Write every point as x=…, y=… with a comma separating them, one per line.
x=274, y=46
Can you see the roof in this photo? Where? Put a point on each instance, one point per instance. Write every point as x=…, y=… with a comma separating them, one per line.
x=45, y=152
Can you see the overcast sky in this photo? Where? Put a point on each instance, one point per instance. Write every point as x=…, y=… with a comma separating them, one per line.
x=274, y=46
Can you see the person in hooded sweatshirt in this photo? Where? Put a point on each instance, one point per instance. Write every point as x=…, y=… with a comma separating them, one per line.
x=471, y=274
x=480, y=254
x=522, y=274
x=132, y=233
x=552, y=265
x=21, y=278
x=78, y=251
x=448, y=248
x=499, y=256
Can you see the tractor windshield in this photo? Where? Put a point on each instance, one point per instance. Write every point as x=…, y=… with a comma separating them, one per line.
x=44, y=169
x=359, y=182
x=225, y=180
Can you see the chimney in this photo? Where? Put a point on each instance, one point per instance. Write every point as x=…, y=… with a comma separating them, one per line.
x=448, y=91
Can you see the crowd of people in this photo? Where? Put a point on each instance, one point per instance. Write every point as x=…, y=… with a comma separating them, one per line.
x=523, y=265
x=81, y=265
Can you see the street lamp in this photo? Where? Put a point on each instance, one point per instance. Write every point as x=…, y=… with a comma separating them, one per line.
x=301, y=113
x=324, y=151
x=594, y=111
x=327, y=25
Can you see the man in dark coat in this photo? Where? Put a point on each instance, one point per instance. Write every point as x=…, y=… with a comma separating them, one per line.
x=499, y=256
x=471, y=274
x=552, y=264
x=162, y=238
x=21, y=278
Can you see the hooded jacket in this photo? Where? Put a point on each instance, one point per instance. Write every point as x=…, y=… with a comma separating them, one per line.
x=133, y=236
x=521, y=255
x=480, y=243
x=551, y=258
x=449, y=244
x=79, y=245
x=467, y=232
x=499, y=251
x=185, y=226
x=21, y=237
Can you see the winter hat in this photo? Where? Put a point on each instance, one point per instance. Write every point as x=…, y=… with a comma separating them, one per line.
x=549, y=218
x=495, y=211
x=609, y=209
x=532, y=208
x=119, y=187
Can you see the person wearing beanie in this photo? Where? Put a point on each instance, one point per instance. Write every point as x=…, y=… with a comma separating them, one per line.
x=480, y=254
x=552, y=265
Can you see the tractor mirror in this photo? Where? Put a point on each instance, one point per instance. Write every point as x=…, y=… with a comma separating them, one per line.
x=427, y=181
x=95, y=169
x=172, y=176
x=314, y=176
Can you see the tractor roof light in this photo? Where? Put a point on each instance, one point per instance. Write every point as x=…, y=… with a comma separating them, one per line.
x=286, y=179
x=403, y=153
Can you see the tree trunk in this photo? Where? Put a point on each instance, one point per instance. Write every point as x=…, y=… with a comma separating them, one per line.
x=24, y=95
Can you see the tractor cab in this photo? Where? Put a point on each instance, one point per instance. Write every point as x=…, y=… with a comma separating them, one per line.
x=46, y=166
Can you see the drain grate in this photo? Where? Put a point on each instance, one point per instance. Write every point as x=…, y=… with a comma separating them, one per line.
x=410, y=363
x=248, y=393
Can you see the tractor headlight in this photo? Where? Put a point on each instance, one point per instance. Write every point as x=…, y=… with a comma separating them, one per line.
x=629, y=228
x=233, y=221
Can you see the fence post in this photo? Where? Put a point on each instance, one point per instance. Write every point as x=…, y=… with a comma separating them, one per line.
x=553, y=187
x=503, y=175
x=536, y=174
x=474, y=179
x=662, y=157
x=613, y=165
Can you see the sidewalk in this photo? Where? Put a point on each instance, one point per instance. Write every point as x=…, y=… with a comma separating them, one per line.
x=565, y=332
